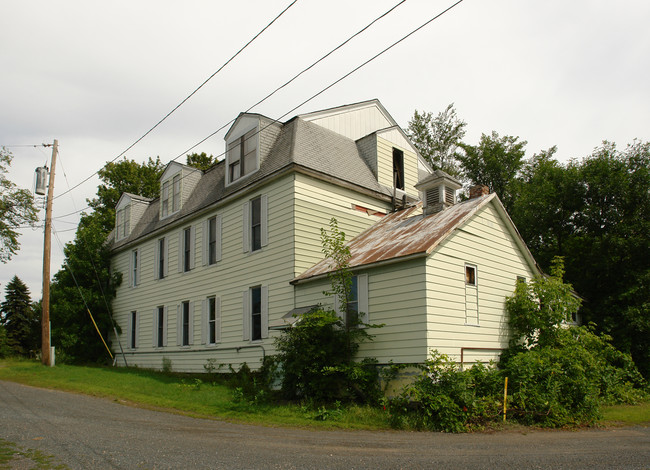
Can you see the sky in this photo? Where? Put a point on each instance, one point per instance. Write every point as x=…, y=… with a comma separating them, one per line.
x=96, y=76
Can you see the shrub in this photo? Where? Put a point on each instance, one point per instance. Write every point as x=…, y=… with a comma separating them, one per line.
x=445, y=398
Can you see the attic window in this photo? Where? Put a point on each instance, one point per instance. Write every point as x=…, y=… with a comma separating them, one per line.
x=170, y=197
x=123, y=222
x=470, y=275
x=398, y=169
x=242, y=155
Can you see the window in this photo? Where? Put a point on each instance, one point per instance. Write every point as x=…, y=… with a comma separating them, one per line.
x=185, y=327
x=160, y=327
x=255, y=321
x=256, y=313
x=186, y=239
x=398, y=169
x=211, y=320
x=356, y=310
x=133, y=330
x=471, y=295
x=160, y=259
x=212, y=240
x=187, y=251
x=242, y=155
x=123, y=223
x=164, y=199
x=176, y=196
x=470, y=275
x=134, y=272
x=256, y=224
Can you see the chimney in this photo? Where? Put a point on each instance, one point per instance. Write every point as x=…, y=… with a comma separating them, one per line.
x=439, y=190
x=478, y=191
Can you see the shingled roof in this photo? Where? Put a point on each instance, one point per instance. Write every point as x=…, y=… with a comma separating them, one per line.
x=299, y=143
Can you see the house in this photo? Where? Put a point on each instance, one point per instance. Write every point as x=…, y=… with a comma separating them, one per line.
x=223, y=259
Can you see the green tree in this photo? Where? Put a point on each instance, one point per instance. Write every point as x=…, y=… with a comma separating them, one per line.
x=437, y=138
x=16, y=208
x=200, y=160
x=21, y=325
x=124, y=176
x=86, y=283
x=494, y=162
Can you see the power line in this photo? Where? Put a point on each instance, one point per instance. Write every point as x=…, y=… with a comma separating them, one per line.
x=330, y=85
x=186, y=98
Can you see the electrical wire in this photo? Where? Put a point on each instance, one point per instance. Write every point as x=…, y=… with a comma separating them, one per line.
x=186, y=98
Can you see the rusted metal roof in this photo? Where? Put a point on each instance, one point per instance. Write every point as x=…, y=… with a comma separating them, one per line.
x=402, y=234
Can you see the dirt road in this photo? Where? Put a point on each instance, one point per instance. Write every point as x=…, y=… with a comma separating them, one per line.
x=84, y=432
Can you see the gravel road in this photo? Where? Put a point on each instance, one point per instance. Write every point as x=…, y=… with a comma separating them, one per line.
x=84, y=432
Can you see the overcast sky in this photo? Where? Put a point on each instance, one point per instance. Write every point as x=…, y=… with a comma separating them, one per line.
x=98, y=75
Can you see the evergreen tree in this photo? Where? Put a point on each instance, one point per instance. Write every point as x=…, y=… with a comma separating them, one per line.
x=18, y=319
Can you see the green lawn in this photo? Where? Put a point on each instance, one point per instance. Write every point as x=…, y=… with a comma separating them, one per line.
x=188, y=396
x=627, y=415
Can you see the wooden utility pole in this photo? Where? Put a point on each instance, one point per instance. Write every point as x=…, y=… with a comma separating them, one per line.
x=45, y=321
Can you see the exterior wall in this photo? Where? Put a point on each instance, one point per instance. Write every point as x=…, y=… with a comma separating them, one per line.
x=316, y=202
x=271, y=266
x=486, y=243
x=385, y=166
x=298, y=206
x=353, y=123
x=396, y=299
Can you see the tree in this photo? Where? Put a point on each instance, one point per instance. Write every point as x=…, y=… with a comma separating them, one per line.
x=124, y=176
x=86, y=282
x=200, y=160
x=16, y=208
x=21, y=325
x=494, y=162
x=437, y=138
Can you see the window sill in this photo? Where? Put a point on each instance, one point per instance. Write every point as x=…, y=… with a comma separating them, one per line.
x=474, y=325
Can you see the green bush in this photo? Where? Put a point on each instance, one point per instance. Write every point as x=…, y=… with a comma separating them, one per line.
x=316, y=359
x=445, y=398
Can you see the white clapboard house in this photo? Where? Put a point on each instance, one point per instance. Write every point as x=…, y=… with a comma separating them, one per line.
x=222, y=260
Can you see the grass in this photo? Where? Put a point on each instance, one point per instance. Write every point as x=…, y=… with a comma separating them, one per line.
x=627, y=415
x=184, y=395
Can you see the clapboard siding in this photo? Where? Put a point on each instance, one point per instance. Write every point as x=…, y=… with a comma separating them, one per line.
x=385, y=165
x=485, y=242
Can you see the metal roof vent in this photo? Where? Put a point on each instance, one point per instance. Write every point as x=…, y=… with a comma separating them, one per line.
x=439, y=190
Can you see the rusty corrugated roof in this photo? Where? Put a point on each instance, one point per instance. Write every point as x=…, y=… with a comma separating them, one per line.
x=402, y=234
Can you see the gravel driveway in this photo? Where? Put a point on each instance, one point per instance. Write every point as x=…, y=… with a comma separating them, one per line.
x=84, y=432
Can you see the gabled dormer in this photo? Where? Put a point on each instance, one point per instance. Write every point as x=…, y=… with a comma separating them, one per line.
x=439, y=191
x=248, y=141
x=128, y=211
x=176, y=184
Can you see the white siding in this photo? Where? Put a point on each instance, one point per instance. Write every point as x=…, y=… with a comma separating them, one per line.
x=272, y=267
x=486, y=243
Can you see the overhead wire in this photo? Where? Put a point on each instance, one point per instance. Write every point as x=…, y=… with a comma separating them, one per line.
x=186, y=98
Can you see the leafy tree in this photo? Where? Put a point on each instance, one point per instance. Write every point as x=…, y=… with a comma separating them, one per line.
x=124, y=176
x=546, y=205
x=86, y=283
x=16, y=208
x=494, y=162
x=21, y=325
x=538, y=308
x=200, y=160
x=437, y=138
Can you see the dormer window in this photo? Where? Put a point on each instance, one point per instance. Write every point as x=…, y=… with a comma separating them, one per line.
x=242, y=155
x=123, y=223
x=398, y=169
x=170, y=197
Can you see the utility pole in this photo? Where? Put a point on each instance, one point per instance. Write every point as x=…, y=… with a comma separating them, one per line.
x=45, y=322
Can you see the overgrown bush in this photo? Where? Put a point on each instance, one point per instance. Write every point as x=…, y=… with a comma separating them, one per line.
x=446, y=398
x=316, y=358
